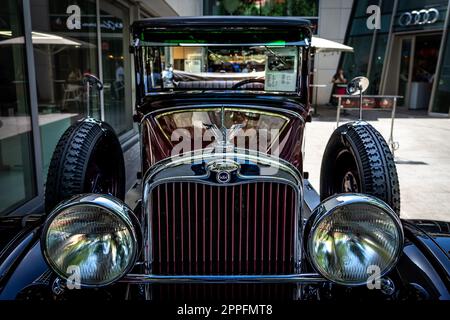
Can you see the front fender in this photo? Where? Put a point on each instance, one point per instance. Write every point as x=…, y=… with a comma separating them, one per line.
x=424, y=266
x=21, y=263
x=425, y=263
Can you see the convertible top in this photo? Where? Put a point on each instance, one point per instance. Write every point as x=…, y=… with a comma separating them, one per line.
x=222, y=21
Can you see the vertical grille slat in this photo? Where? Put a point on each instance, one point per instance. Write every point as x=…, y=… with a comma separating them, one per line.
x=240, y=230
x=270, y=226
x=204, y=226
x=166, y=213
x=189, y=226
x=211, y=213
x=181, y=227
x=174, y=225
x=247, y=225
x=254, y=227
x=225, y=252
x=196, y=228
x=218, y=229
x=232, y=229
x=213, y=229
x=276, y=230
x=284, y=225
x=262, y=229
x=291, y=230
x=157, y=207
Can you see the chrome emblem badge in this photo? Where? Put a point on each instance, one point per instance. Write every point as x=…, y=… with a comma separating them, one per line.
x=223, y=177
x=223, y=169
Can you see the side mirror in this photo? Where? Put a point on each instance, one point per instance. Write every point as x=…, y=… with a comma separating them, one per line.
x=357, y=86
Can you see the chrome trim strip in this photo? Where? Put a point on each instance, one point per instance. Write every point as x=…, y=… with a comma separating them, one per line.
x=238, y=106
x=287, y=278
x=209, y=153
x=311, y=199
x=106, y=202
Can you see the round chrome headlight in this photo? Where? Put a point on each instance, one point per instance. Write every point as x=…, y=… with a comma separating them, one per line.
x=93, y=239
x=353, y=236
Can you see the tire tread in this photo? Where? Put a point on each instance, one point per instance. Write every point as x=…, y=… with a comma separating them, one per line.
x=379, y=173
x=69, y=161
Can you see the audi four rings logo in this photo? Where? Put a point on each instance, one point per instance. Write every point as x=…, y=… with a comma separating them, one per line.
x=419, y=17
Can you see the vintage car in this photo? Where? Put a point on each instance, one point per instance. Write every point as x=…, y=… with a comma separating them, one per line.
x=222, y=207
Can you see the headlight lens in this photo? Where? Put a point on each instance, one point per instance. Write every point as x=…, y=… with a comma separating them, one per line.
x=353, y=236
x=93, y=237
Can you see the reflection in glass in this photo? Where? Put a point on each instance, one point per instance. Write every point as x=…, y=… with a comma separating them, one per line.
x=305, y=8
x=92, y=239
x=405, y=62
x=355, y=65
x=116, y=77
x=377, y=63
x=442, y=96
x=62, y=54
x=360, y=38
x=347, y=242
x=17, y=182
x=244, y=124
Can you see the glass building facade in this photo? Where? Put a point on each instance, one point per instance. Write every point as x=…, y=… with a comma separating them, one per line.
x=409, y=55
x=301, y=8
x=17, y=170
x=45, y=48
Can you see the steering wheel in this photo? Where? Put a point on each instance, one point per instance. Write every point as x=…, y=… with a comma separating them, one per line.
x=247, y=81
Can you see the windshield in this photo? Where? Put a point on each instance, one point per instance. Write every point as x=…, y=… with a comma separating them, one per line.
x=258, y=68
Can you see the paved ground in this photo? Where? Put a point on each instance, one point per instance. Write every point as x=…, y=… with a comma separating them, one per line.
x=423, y=159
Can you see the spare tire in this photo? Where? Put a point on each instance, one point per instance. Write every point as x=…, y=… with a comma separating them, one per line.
x=87, y=159
x=357, y=159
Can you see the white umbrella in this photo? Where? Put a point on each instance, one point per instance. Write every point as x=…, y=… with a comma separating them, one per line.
x=39, y=38
x=324, y=45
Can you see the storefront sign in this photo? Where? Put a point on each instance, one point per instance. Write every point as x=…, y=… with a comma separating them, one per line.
x=74, y=22
x=419, y=17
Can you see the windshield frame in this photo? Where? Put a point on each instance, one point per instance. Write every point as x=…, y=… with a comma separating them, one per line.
x=191, y=24
x=141, y=70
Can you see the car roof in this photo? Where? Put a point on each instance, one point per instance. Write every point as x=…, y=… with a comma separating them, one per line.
x=222, y=21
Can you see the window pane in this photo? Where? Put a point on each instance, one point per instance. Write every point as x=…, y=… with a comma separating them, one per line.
x=17, y=180
x=441, y=102
x=65, y=47
x=356, y=64
x=377, y=63
x=360, y=38
x=297, y=8
x=262, y=8
x=116, y=67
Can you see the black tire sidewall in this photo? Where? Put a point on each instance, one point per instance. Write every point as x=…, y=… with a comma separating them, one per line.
x=337, y=144
x=350, y=138
x=108, y=134
x=99, y=134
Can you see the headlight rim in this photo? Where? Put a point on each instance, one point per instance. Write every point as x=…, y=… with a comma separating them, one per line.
x=126, y=215
x=327, y=207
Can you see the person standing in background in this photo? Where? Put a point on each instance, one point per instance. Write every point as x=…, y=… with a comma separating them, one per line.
x=339, y=80
x=119, y=84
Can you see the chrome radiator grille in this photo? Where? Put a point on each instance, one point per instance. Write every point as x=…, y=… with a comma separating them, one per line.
x=202, y=229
